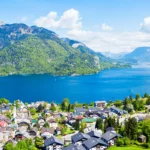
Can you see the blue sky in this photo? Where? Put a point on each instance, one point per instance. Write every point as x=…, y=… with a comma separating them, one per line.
x=108, y=21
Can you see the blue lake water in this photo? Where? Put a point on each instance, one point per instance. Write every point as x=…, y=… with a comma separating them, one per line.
x=107, y=85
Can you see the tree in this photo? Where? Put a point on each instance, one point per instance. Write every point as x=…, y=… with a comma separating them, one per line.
x=26, y=103
x=4, y=101
x=32, y=111
x=131, y=127
x=146, y=129
x=39, y=142
x=82, y=126
x=137, y=97
x=92, y=104
x=65, y=104
x=118, y=103
x=146, y=95
x=46, y=125
x=40, y=108
x=63, y=130
x=148, y=101
x=99, y=124
x=76, y=125
x=8, y=115
x=53, y=107
x=125, y=103
x=69, y=108
x=138, y=105
x=110, y=122
x=8, y=146
x=16, y=102
x=45, y=105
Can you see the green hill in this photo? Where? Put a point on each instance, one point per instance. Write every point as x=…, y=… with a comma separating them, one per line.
x=34, y=50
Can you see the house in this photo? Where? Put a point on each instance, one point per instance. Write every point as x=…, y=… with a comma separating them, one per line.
x=58, y=130
x=71, y=120
x=32, y=133
x=5, y=108
x=53, y=143
x=100, y=104
x=41, y=121
x=94, y=143
x=93, y=109
x=74, y=147
x=118, y=111
x=90, y=124
x=47, y=112
x=23, y=126
x=47, y=132
x=110, y=137
x=20, y=135
x=79, y=138
x=53, y=123
x=3, y=124
x=95, y=134
x=12, y=127
x=80, y=110
x=56, y=115
x=2, y=134
x=142, y=138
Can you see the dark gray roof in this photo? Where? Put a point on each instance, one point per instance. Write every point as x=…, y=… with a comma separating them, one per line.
x=110, y=129
x=93, y=142
x=109, y=135
x=70, y=147
x=101, y=142
x=79, y=136
x=117, y=110
x=74, y=147
x=80, y=109
x=95, y=134
x=53, y=140
x=93, y=109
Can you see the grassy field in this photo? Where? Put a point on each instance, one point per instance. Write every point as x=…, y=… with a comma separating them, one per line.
x=127, y=148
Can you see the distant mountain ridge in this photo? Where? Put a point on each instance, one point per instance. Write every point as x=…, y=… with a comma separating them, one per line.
x=140, y=54
x=114, y=55
x=36, y=50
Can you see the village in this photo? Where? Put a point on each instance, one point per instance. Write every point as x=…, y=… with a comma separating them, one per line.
x=65, y=127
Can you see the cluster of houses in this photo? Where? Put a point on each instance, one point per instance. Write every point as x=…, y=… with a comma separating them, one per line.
x=22, y=125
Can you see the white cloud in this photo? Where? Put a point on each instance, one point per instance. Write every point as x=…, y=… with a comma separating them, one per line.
x=106, y=27
x=100, y=41
x=69, y=20
x=24, y=19
x=115, y=42
x=145, y=26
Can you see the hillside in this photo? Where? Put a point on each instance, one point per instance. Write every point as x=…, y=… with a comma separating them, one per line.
x=34, y=50
x=105, y=62
x=140, y=54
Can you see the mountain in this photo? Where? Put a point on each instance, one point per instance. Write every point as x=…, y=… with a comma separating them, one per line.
x=114, y=56
x=106, y=62
x=139, y=55
x=35, y=50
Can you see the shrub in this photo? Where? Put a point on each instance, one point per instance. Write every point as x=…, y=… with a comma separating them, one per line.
x=146, y=145
x=120, y=142
x=127, y=141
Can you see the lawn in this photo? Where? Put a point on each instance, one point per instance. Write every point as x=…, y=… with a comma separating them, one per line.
x=127, y=148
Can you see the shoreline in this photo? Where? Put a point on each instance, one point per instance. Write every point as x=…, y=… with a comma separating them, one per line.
x=70, y=75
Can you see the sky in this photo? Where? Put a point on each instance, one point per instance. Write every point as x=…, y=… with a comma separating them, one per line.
x=114, y=26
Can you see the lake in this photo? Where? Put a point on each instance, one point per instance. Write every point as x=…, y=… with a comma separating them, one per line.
x=107, y=85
